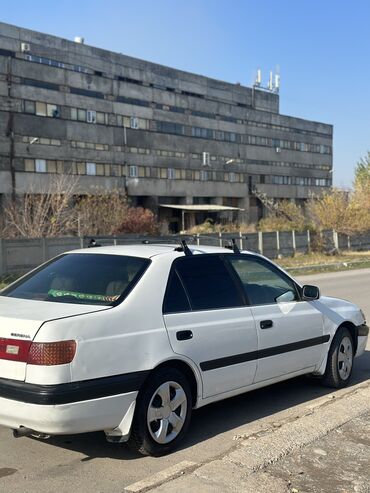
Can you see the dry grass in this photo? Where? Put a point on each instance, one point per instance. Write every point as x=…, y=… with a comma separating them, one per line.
x=301, y=260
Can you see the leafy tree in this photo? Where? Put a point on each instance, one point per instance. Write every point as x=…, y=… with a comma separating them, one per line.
x=288, y=216
x=362, y=173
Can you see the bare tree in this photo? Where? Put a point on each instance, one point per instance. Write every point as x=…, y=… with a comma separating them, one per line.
x=48, y=211
x=101, y=212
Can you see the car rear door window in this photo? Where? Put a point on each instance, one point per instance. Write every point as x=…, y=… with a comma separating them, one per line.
x=262, y=282
x=208, y=282
x=175, y=299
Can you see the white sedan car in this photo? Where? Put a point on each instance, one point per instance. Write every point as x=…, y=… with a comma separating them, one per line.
x=130, y=339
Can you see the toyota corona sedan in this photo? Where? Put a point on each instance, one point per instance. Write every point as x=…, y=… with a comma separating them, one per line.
x=130, y=339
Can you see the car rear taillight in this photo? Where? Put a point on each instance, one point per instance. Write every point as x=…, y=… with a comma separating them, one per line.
x=38, y=353
x=14, y=349
x=51, y=353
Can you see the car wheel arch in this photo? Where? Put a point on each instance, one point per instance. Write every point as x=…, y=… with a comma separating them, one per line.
x=351, y=327
x=187, y=371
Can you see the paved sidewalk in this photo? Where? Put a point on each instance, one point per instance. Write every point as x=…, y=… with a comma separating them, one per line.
x=326, y=450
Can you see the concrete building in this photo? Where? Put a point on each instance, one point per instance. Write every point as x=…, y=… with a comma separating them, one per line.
x=167, y=137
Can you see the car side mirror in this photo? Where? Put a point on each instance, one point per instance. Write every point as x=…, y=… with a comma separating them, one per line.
x=310, y=293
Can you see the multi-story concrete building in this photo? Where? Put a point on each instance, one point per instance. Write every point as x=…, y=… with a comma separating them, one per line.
x=167, y=137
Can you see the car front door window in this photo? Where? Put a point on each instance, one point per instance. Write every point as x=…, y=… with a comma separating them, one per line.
x=263, y=284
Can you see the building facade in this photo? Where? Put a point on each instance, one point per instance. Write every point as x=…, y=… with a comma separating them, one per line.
x=163, y=136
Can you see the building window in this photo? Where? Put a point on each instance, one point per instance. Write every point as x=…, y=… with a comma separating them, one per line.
x=91, y=169
x=170, y=128
x=204, y=175
x=30, y=107
x=101, y=118
x=134, y=123
x=206, y=159
x=81, y=115
x=91, y=116
x=40, y=109
x=170, y=173
x=40, y=166
x=133, y=171
x=52, y=110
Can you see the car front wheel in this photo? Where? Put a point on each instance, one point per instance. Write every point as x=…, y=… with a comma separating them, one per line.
x=162, y=414
x=340, y=360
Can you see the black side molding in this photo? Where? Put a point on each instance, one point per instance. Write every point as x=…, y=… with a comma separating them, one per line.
x=262, y=353
x=65, y=393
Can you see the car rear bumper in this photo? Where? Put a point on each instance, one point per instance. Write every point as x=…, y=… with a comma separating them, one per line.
x=76, y=407
x=76, y=417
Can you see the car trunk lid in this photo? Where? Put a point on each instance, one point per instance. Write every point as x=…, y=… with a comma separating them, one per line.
x=20, y=321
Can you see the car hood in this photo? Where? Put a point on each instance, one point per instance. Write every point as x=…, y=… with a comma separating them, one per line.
x=21, y=319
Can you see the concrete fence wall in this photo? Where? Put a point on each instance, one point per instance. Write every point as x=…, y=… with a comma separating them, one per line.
x=17, y=255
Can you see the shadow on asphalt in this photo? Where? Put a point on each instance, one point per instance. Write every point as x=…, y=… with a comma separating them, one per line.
x=214, y=419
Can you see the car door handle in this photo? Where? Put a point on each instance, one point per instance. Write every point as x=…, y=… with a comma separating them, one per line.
x=183, y=335
x=266, y=324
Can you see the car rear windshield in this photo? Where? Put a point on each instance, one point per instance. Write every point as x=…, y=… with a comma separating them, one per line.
x=93, y=279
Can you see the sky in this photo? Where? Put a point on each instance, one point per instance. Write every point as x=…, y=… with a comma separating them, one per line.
x=322, y=48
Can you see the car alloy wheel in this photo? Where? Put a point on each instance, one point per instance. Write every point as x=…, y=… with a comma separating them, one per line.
x=345, y=358
x=167, y=412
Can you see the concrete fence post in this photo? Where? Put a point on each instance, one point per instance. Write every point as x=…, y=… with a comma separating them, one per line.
x=308, y=241
x=277, y=243
x=81, y=241
x=260, y=242
x=240, y=240
x=335, y=240
x=293, y=242
x=220, y=238
x=348, y=242
x=198, y=239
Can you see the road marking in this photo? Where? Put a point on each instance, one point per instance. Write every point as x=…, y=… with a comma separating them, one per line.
x=162, y=476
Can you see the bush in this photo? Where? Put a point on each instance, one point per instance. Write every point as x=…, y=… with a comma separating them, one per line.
x=138, y=220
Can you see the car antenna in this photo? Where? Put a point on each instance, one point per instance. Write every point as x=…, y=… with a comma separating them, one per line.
x=184, y=248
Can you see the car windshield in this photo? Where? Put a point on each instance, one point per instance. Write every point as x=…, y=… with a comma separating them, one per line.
x=97, y=279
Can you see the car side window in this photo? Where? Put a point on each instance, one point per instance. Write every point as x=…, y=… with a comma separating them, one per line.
x=263, y=284
x=175, y=299
x=208, y=282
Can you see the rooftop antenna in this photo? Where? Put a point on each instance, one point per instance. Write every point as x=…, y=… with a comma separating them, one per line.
x=258, y=78
x=277, y=79
x=270, y=83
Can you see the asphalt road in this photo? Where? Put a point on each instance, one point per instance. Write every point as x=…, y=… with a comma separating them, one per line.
x=87, y=463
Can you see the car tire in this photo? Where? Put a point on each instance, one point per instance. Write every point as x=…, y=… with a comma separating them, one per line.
x=340, y=360
x=162, y=414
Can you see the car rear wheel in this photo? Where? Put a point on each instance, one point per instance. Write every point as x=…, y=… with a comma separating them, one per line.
x=162, y=414
x=340, y=360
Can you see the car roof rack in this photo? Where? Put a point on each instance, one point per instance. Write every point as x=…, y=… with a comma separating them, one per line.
x=92, y=243
x=184, y=248
x=233, y=246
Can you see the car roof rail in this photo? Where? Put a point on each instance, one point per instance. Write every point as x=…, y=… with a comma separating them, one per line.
x=184, y=248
